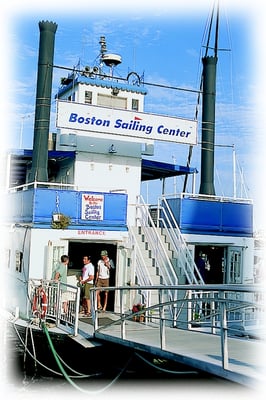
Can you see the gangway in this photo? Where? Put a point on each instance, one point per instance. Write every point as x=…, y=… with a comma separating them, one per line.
x=219, y=334
x=216, y=342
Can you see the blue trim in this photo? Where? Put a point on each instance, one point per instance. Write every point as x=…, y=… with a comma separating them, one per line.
x=73, y=227
x=101, y=83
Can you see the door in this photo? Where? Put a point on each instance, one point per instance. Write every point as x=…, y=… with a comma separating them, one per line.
x=78, y=249
x=234, y=265
x=54, y=251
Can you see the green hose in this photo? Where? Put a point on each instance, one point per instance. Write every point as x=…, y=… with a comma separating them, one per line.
x=57, y=359
x=67, y=376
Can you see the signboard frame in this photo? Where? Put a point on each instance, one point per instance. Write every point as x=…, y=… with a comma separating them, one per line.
x=90, y=118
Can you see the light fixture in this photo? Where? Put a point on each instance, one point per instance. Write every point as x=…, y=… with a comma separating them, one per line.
x=115, y=91
x=112, y=149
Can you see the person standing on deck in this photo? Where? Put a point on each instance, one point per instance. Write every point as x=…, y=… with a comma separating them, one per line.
x=60, y=274
x=87, y=280
x=104, y=266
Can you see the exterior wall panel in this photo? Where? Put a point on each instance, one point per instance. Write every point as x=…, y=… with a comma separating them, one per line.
x=217, y=217
x=38, y=205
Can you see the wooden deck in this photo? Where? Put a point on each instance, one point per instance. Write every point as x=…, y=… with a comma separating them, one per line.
x=196, y=349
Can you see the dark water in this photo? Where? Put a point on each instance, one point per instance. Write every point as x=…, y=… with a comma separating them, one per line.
x=107, y=370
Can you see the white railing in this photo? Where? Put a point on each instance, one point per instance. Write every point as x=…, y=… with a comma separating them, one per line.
x=56, y=293
x=213, y=197
x=157, y=247
x=61, y=186
x=166, y=220
x=35, y=185
x=140, y=270
x=219, y=310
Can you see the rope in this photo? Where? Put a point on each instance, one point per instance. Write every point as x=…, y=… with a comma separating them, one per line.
x=163, y=369
x=27, y=350
x=33, y=348
x=41, y=364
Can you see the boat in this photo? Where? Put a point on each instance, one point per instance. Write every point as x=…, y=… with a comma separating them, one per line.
x=78, y=192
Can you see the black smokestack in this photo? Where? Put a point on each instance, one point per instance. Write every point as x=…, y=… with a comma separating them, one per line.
x=43, y=102
x=208, y=126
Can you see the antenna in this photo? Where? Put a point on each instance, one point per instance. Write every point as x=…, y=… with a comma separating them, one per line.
x=103, y=45
x=109, y=59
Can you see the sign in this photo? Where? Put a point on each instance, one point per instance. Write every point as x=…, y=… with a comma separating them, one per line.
x=90, y=118
x=92, y=207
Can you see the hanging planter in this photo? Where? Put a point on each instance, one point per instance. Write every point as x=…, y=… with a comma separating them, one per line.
x=60, y=221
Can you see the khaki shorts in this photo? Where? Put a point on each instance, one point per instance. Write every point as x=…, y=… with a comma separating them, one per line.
x=64, y=297
x=87, y=293
x=102, y=282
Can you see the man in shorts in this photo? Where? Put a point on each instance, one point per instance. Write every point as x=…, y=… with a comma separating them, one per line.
x=104, y=266
x=87, y=280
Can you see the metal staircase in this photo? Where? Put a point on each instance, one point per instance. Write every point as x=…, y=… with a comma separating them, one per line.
x=160, y=254
x=185, y=260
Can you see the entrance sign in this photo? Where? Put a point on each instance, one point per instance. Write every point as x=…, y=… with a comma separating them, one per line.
x=90, y=118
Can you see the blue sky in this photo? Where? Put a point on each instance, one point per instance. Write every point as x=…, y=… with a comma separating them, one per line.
x=165, y=42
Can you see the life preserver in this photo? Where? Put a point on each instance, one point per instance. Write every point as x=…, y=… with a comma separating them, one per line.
x=39, y=304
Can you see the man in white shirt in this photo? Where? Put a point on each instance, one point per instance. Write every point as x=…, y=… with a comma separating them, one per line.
x=104, y=266
x=87, y=280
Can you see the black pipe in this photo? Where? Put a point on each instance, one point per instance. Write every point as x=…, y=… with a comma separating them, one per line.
x=208, y=126
x=43, y=102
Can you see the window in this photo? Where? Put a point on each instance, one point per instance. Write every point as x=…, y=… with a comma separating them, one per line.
x=112, y=101
x=88, y=97
x=235, y=265
x=135, y=105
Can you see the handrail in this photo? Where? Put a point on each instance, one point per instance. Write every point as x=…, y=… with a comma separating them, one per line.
x=185, y=258
x=141, y=270
x=70, y=186
x=211, y=197
x=225, y=298
x=158, y=249
x=36, y=184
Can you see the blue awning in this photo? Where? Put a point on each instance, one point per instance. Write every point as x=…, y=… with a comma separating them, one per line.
x=152, y=170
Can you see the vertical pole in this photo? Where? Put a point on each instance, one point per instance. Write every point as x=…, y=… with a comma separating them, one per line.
x=213, y=322
x=224, y=341
x=123, y=323
x=189, y=308
x=76, y=325
x=94, y=311
x=234, y=173
x=162, y=320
